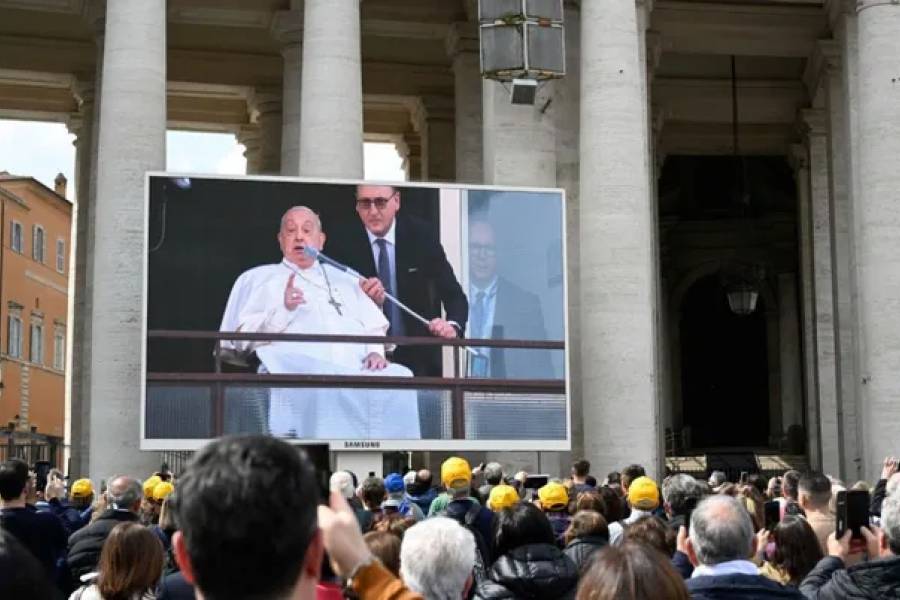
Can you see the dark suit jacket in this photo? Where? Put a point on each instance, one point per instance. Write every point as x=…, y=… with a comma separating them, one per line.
x=425, y=281
x=517, y=316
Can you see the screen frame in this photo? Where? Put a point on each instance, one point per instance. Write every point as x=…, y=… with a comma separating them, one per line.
x=182, y=444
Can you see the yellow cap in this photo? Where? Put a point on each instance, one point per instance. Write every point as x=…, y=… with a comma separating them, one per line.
x=161, y=490
x=553, y=495
x=82, y=488
x=456, y=472
x=643, y=494
x=502, y=496
x=149, y=485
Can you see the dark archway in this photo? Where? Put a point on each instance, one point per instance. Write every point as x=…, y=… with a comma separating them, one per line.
x=724, y=370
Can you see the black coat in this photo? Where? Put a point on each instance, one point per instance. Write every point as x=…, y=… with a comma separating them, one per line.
x=532, y=572
x=582, y=549
x=86, y=543
x=875, y=579
x=425, y=281
x=517, y=316
x=739, y=587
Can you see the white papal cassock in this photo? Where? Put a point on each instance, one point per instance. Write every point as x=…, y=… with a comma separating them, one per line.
x=334, y=304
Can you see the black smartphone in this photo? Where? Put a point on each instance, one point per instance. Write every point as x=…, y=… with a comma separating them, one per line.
x=772, y=511
x=852, y=512
x=536, y=482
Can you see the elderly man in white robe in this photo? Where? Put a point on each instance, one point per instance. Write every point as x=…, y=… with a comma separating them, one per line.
x=301, y=295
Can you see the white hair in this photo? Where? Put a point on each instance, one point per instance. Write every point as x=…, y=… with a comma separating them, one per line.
x=436, y=558
x=305, y=209
x=721, y=530
x=892, y=484
x=890, y=521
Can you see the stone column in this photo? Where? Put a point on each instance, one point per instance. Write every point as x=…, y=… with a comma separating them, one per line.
x=288, y=30
x=331, y=125
x=519, y=140
x=618, y=293
x=789, y=337
x=248, y=135
x=132, y=142
x=826, y=360
x=462, y=46
x=566, y=103
x=877, y=223
x=800, y=161
x=266, y=112
x=435, y=116
x=412, y=143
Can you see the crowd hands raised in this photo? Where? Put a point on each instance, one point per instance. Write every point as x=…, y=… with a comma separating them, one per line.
x=247, y=521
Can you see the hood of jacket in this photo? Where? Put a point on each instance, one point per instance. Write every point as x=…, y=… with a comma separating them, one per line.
x=534, y=571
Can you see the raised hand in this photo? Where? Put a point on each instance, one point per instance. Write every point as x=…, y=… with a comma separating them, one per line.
x=441, y=328
x=293, y=296
x=373, y=288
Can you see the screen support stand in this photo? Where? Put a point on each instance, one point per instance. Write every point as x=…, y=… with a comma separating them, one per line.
x=361, y=463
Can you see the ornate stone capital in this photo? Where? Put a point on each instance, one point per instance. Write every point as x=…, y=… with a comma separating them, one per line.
x=462, y=38
x=813, y=122
x=287, y=27
x=824, y=62
x=263, y=102
x=433, y=108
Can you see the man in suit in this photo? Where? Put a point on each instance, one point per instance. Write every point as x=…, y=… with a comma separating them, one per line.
x=500, y=309
x=399, y=254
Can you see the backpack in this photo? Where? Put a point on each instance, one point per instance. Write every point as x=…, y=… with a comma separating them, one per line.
x=482, y=549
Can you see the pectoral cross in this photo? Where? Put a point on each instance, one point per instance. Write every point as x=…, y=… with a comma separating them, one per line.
x=337, y=305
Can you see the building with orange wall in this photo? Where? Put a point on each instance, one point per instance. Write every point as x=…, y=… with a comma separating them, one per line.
x=34, y=299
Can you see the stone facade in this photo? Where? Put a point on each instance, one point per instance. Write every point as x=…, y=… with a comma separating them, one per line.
x=303, y=84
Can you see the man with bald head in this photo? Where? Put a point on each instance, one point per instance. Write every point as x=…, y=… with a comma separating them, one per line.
x=302, y=295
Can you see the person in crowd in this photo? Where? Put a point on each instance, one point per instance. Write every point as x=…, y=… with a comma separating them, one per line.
x=758, y=483
x=502, y=497
x=654, y=532
x=753, y=507
x=299, y=294
x=81, y=498
x=889, y=475
x=681, y=493
x=878, y=577
x=394, y=524
x=130, y=567
x=255, y=543
x=643, y=496
x=773, y=490
x=372, y=493
x=795, y=551
x=493, y=476
x=164, y=530
x=421, y=491
x=385, y=547
x=591, y=500
x=21, y=574
x=149, y=512
x=396, y=500
x=124, y=497
x=717, y=479
x=56, y=503
x=554, y=501
x=342, y=481
x=42, y=534
x=631, y=570
x=581, y=470
x=615, y=504
x=814, y=496
x=459, y=505
x=629, y=474
x=586, y=534
x=614, y=481
x=399, y=253
x=720, y=546
x=529, y=564
x=790, y=482
x=437, y=558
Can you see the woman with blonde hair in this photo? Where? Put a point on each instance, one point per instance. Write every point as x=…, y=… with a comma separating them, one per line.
x=131, y=564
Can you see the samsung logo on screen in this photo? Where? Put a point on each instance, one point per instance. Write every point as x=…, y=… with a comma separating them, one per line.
x=362, y=444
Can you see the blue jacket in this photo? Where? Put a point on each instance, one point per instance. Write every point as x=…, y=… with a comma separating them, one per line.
x=424, y=500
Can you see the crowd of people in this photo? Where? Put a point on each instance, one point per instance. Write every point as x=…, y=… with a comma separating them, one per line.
x=248, y=519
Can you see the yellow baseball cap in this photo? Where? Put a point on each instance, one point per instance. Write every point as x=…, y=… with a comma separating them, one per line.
x=161, y=490
x=643, y=494
x=455, y=472
x=553, y=495
x=149, y=485
x=502, y=496
x=82, y=488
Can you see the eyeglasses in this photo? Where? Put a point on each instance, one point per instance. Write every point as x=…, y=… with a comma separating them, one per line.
x=484, y=249
x=368, y=203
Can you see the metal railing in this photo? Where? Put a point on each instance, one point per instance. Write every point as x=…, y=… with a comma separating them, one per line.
x=457, y=385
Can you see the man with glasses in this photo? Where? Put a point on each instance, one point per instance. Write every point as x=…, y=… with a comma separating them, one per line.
x=399, y=254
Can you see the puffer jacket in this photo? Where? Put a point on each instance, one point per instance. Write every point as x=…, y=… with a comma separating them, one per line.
x=582, y=549
x=874, y=579
x=86, y=543
x=530, y=572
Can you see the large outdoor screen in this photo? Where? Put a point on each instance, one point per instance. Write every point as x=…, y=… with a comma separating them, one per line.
x=268, y=258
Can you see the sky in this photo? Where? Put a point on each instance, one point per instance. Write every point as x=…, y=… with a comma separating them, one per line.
x=42, y=150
